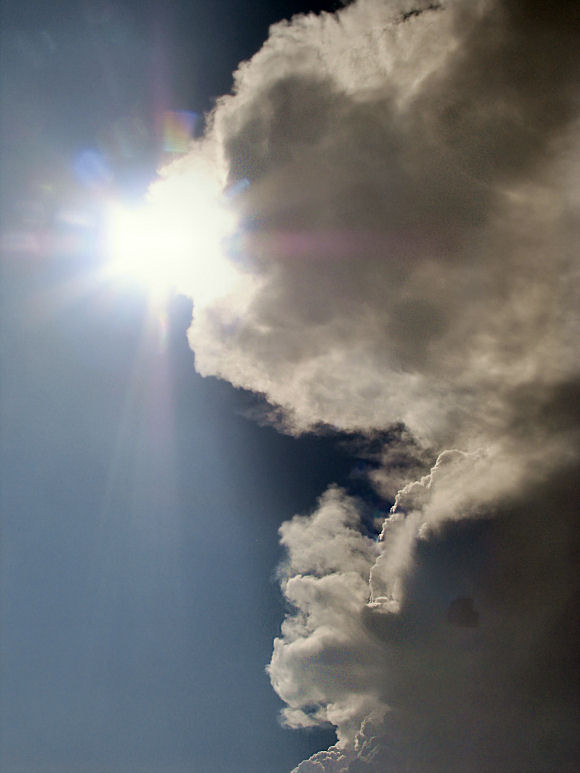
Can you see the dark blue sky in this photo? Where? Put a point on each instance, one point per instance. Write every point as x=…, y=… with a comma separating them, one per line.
x=140, y=507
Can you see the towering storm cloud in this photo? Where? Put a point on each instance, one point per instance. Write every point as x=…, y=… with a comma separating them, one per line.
x=406, y=180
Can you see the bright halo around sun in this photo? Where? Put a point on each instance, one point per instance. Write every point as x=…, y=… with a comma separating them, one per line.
x=175, y=241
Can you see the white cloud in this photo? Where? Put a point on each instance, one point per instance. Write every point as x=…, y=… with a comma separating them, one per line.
x=407, y=255
x=324, y=663
x=396, y=269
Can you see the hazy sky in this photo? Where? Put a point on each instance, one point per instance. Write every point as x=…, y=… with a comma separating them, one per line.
x=237, y=532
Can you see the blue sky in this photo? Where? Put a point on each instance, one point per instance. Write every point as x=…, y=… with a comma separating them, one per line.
x=139, y=507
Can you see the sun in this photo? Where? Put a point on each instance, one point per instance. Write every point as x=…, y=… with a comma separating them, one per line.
x=176, y=240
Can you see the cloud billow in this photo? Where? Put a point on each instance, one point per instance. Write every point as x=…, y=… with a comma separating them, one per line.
x=410, y=209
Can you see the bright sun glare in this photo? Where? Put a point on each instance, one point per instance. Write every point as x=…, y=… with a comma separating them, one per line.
x=174, y=241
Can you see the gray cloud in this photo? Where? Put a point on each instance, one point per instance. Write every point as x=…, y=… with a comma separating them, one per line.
x=409, y=216
x=496, y=696
x=392, y=186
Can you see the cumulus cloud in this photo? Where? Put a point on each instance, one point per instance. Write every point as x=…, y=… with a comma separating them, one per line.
x=405, y=175
x=325, y=663
x=429, y=694
x=393, y=174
